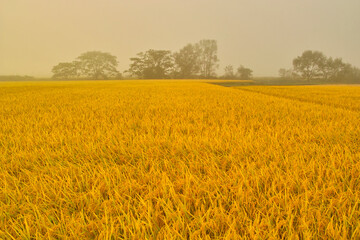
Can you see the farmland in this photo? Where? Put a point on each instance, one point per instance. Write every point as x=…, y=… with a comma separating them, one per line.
x=178, y=159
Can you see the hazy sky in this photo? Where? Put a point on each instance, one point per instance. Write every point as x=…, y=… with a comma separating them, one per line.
x=264, y=35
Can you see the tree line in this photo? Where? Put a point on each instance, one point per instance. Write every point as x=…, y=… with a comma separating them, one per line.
x=193, y=61
x=199, y=61
x=315, y=66
x=15, y=78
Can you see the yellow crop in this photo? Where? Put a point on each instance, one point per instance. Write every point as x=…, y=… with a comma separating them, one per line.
x=178, y=160
x=341, y=97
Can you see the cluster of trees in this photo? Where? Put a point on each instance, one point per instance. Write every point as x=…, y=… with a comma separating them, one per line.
x=197, y=60
x=90, y=65
x=314, y=65
x=241, y=73
x=192, y=61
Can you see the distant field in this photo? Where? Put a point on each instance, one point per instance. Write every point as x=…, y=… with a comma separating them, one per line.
x=347, y=97
x=178, y=159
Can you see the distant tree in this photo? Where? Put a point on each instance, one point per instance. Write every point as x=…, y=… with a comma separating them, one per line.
x=90, y=65
x=355, y=75
x=286, y=73
x=310, y=65
x=229, y=72
x=98, y=65
x=244, y=73
x=347, y=74
x=192, y=61
x=315, y=65
x=15, y=78
x=187, y=62
x=332, y=69
x=153, y=64
x=208, y=59
x=66, y=70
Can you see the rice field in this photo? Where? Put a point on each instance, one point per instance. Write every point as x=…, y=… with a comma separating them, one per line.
x=178, y=160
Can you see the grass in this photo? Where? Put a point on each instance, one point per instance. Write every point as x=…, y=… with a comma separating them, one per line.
x=178, y=159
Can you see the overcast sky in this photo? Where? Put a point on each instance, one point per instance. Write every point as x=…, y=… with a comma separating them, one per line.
x=264, y=35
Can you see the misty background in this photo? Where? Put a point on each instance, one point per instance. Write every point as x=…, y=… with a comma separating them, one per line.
x=263, y=35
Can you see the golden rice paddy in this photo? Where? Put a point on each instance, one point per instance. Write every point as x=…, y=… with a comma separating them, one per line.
x=178, y=160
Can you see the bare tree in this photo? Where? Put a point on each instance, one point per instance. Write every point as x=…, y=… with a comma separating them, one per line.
x=208, y=58
x=229, y=72
x=286, y=73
